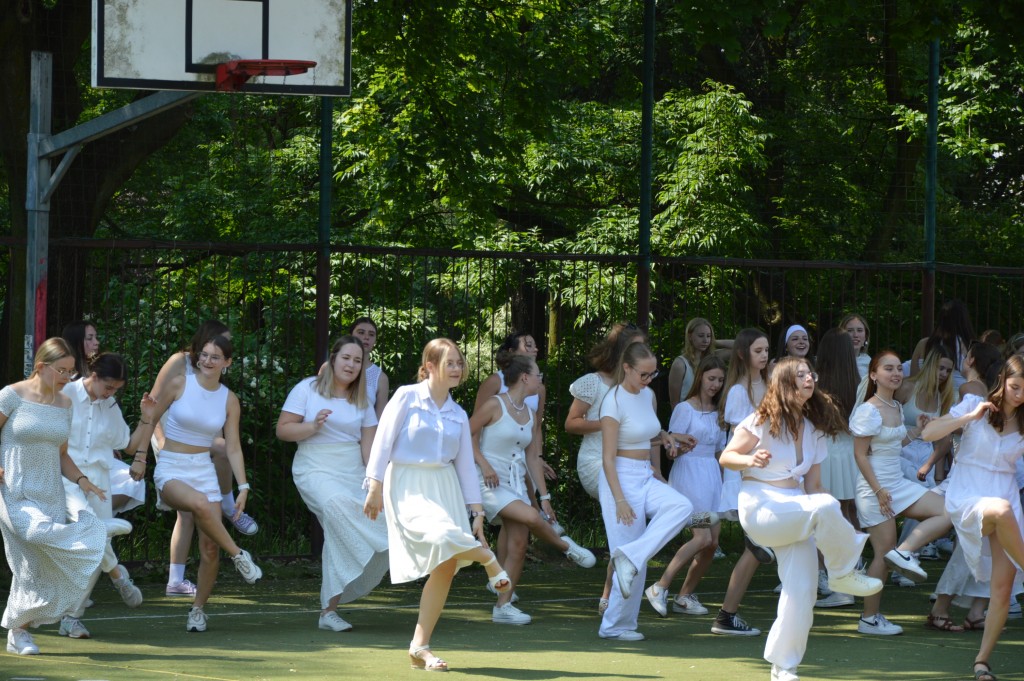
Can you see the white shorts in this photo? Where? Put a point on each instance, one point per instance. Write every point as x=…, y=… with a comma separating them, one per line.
x=195, y=470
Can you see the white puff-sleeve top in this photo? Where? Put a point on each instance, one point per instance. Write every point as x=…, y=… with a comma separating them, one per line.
x=737, y=405
x=702, y=425
x=866, y=421
x=784, y=463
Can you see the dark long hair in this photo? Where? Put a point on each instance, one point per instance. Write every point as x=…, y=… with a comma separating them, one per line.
x=1014, y=368
x=837, y=369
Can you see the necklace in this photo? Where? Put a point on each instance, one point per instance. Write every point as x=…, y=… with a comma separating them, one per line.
x=759, y=381
x=517, y=407
x=894, y=404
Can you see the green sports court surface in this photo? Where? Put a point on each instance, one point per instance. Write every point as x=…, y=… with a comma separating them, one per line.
x=269, y=632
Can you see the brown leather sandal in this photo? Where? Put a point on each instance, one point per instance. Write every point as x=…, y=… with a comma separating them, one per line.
x=942, y=623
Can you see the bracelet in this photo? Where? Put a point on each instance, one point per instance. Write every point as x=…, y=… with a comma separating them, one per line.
x=138, y=460
x=244, y=485
x=878, y=490
x=545, y=497
x=145, y=423
x=79, y=480
x=619, y=501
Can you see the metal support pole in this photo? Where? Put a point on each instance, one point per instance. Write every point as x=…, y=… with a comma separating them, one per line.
x=37, y=205
x=643, y=275
x=323, y=255
x=931, y=181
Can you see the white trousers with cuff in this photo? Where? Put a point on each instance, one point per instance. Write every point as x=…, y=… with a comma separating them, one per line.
x=668, y=511
x=796, y=526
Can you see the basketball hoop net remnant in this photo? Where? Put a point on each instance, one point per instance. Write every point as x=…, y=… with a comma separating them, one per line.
x=232, y=75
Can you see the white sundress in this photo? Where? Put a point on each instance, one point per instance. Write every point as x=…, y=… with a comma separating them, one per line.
x=52, y=560
x=503, y=444
x=696, y=474
x=884, y=457
x=985, y=470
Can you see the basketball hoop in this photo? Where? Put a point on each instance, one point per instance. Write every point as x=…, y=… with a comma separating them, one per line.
x=232, y=75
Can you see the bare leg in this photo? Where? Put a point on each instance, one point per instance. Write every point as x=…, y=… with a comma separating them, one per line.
x=219, y=456
x=883, y=539
x=687, y=552
x=849, y=509
x=739, y=580
x=432, y=600
x=181, y=539
x=332, y=605
x=205, y=513
x=529, y=516
x=701, y=564
x=516, y=538
x=931, y=511
x=119, y=500
x=209, y=563
x=1003, y=572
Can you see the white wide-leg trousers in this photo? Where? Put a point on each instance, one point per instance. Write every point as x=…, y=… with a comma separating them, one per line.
x=796, y=525
x=668, y=511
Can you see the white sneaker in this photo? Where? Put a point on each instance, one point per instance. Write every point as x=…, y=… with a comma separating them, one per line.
x=834, y=600
x=945, y=545
x=116, y=527
x=658, y=598
x=625, y=571
x=248, y=569
x=578, y=554
x=901, y=581
x=823, y=587
x=719, y=553
x=879, y=626
x=72, y=627
x=509, y=614
x=906, y=564
x=855, y=583
x=687, y=604
x=783, y=674
x=629, y=635
x=196, y=620
x=130, y=594
x=331, y=621
x=20, y=642
x=1015, y=611
x=928, y=552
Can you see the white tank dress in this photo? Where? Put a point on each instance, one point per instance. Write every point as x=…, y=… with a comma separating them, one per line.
x=503, y=444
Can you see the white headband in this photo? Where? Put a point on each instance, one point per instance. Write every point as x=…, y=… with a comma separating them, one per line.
x=793, y=329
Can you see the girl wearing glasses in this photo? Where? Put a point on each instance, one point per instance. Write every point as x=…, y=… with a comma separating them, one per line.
x=198, y=408
x=504, y=450
x=779, y=449
x=584, y=417
x=744, y=388
x=52, y=569
x=982, y=497
x=632, y=490
x=882, y=491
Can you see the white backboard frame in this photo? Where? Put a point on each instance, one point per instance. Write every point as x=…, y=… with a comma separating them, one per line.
x=176, y=44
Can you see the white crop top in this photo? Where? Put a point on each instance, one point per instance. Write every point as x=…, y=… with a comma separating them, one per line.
x=638, y=423
x=198, y=416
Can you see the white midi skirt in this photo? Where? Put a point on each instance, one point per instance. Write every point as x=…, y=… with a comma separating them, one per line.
x=427, y=519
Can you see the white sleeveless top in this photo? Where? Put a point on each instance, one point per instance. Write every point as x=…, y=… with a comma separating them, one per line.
x=198, y=416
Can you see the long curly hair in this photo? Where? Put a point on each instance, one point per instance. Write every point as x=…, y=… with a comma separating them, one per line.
x=1014, y=368
x=783, y=411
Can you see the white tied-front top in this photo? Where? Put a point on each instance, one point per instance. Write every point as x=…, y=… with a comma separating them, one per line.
x=413, y=430
x=983, y=447
x=345, y=423
x=783, y=463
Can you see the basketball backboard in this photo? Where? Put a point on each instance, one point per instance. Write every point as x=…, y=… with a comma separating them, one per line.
x=177, y=44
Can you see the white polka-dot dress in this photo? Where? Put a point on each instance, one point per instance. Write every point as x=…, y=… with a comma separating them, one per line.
x=51, y=559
